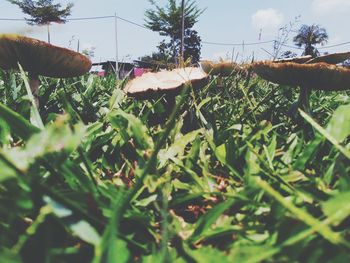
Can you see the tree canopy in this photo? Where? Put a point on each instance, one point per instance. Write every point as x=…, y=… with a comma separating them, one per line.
x=167, y=21
x=310, y=36
x=43, y=12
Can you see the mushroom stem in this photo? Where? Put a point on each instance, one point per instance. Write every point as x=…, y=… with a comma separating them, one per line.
x=304, y=99
x=219, y=82
x=34, y=83
x=304, y=104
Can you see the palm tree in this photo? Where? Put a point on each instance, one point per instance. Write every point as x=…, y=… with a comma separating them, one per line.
x=309, y=37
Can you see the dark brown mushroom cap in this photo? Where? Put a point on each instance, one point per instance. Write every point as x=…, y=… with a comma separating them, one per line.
x=224, y=69
x=334, y=58
x=40, y=58
x=165, y=82
x=320, y=76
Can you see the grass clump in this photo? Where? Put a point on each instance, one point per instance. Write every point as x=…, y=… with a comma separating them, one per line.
x=229, y=177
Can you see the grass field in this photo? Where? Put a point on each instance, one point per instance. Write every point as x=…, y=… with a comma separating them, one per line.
x=229, y=176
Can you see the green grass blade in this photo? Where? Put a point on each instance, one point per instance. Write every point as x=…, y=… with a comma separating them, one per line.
x=326, y=134
x=36, y=116
x=303, y=216
x=19, y=125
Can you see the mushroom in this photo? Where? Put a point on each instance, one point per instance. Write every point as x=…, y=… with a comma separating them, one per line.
x=168, y=83
x=221, y=69
x=320, y=76
x=300, y=60
x=334, y=58
x=40, y=58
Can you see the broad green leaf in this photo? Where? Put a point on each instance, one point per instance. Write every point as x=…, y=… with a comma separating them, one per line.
x=326, y=134
x=6, y=172
x=135, y=128
x=85, y=232
x=57, y=137
x=209, y=254
x=252, y=160
x=111, y=248
x=9, y=256
x=339, y=125
x=221, y=154
x=146, y=201
x=80, y=228
x=5, y=135
x=18, y=125
x=338, y=207
x=35, y=116
x=177, y=149
x=308, y=153
x=209, y=218
x=193, y=155
x=251, y=254
x=116, y=99
x=302, y=215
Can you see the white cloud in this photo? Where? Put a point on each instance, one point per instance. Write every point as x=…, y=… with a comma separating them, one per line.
x=267, y=19
x=323, y=7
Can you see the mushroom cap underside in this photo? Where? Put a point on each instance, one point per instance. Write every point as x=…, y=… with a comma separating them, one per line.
x=165, y=82
x=320, y=76
x=41, y=58
x=334, y=58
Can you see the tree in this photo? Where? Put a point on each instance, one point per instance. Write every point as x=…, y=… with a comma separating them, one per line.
x=89, y=52
x=287, y=54
x=168, y=22
x=43, y=12
x=157, y=60
x=309, y=37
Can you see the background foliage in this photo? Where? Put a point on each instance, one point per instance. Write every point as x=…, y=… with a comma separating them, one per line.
x=167, y=21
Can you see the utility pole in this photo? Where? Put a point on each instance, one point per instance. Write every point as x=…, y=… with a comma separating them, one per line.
x=48, y=33
x=116, y=45
x=182, y=32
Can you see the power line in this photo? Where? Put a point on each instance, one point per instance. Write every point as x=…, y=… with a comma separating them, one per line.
x=204, y=42
x=104, y=17
x=82, y=19
x=89, y=18
x=324, y=47
x=336, y=45
x=237, y=44
x=12, y=19
x=131, y=22
x=295, y=47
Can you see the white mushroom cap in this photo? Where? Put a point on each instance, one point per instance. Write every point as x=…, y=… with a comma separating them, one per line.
x=165, y=82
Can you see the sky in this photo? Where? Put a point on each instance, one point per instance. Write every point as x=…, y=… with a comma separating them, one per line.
x=223, y=21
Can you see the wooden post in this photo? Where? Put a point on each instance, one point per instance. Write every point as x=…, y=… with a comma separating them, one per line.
x=116, y=45
x=182, y=33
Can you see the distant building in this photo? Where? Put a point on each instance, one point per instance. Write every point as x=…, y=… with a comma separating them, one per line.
x=108, y=67
x=130, y=70
x=153, y=66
